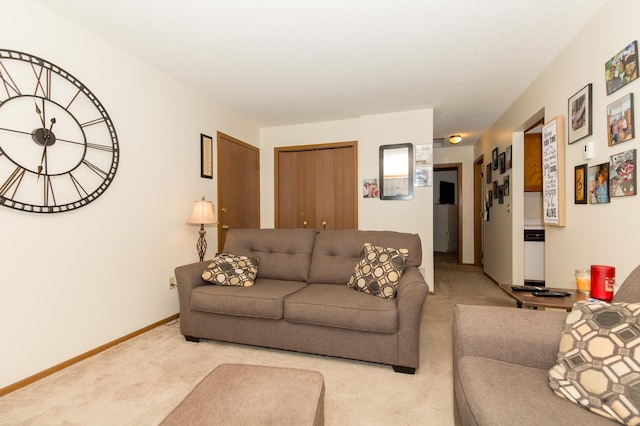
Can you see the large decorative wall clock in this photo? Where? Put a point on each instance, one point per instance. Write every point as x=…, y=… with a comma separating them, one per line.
x=58, y=146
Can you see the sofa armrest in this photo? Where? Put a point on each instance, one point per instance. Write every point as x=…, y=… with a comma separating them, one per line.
x=520, y=336
x=411, y=294
x=187, y=278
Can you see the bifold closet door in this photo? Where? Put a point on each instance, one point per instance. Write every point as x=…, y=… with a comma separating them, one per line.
x=316, y=189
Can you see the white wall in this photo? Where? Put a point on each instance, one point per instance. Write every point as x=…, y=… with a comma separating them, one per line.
x=594, y=234
x=464, y=155
x=416, y=127
x=77, y=280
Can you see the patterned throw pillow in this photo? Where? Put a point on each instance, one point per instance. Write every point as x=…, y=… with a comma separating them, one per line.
x=228, y=269
x=378, y=270
x=599, y=360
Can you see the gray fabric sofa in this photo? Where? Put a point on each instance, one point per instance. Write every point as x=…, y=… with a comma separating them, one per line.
x=300, y=300
x=501, y=358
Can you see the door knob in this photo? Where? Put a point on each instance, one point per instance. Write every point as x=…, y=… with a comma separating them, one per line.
x=225, y=227
x=305, y=223
x=223, y=210
x=324, y=224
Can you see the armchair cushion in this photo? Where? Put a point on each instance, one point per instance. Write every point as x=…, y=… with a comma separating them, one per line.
x=599, y=360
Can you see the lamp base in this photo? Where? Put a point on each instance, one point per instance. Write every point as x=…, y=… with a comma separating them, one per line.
x=201, y=245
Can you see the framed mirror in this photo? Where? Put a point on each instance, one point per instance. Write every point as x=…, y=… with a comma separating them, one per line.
x=396, y=172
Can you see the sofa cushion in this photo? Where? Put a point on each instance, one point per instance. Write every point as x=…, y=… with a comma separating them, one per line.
x=262, y=300
x=501, y=393
x=338, y=306
x=599, y=360
x=336, y=252
x=228, y=269
x=284, y=254
x=378, y=270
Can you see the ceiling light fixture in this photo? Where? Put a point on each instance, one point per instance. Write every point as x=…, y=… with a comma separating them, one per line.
x=455, y=139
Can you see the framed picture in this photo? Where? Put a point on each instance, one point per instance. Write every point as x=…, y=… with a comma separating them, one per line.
x=599, y=184
x=553, y=200
x=490, y=198
x=489, y=173
x=622, y=69
x=501, y=194
x=370, y=188
x=622, y=174
x=580, y=184
x=580, y=115
x=503, y=162
x=509, y=157
x=494, y=159
x=506, y=183
x=620, y=120
x=495, y=189
x=206, y=156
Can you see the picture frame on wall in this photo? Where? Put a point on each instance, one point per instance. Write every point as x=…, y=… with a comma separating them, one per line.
x=489, y=180
x=503, y=162
x=495, y=189
x=206, y=156
x=580, y=109
x=506, y=183
x=622, y=69
x=509, y=157
x=622, y=174
x=494, y=158
x=580, y=184
x=620, y=123
x=599, y=184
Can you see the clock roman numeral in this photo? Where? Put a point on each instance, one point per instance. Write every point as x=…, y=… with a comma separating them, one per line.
x=81, y=191
x=97, y=170
x=43, y=84
x=10, y=86
x=13, y=181
x=92, y=122
x=48, y=191
x=107, y=148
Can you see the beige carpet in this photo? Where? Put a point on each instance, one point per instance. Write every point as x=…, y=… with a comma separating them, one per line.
x=139, y=381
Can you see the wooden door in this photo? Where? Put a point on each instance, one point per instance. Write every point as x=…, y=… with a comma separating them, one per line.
x=316, y=186
x=238, y=186
x=533, y=162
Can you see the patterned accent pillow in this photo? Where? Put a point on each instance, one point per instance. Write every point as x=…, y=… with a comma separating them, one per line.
x=599, y=360
x=378, y=270
x=228, y=269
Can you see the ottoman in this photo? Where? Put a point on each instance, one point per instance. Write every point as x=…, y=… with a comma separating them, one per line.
x=237, y=394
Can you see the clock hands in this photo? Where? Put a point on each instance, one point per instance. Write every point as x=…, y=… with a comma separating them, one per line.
x=47, y=138
x=41, y=113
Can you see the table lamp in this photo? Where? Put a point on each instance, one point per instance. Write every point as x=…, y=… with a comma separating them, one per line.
x=202, y=214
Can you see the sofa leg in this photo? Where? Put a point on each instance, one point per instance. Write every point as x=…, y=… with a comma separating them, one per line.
x=192, y=339
x=404, y=370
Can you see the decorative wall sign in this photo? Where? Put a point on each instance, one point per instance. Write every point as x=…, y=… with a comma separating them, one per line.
x=206, y=156
x=580, y=114
x=553, y=207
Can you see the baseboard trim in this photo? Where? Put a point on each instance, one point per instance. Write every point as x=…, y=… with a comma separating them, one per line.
x=49, y=371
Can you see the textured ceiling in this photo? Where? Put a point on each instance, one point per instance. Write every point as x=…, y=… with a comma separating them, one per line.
x=283, y=62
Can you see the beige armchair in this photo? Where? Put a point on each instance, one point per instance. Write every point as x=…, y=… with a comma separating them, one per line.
x=501, y=358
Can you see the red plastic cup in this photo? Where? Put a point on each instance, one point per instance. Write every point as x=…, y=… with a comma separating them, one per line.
x=603, y=279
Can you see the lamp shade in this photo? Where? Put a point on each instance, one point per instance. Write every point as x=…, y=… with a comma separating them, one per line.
x=202, y=213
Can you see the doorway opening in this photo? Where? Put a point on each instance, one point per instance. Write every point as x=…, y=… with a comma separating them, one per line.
x=447, y=212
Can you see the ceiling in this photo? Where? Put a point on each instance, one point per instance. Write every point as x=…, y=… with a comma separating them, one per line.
x=283, y=62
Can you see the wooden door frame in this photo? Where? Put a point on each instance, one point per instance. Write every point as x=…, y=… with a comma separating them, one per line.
x=314, y=147
x=458, y=168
